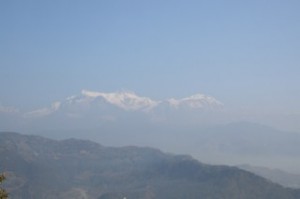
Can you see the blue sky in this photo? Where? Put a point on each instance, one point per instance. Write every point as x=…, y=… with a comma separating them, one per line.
x=244, y=53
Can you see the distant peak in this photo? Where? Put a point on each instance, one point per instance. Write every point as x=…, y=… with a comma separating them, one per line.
x=195, y=101
x=126, y=100
x=89, y=93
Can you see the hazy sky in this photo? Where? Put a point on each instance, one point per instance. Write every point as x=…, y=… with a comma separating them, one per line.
x=244, y=53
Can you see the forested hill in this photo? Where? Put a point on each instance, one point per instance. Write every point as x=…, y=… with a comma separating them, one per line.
x=38, y=167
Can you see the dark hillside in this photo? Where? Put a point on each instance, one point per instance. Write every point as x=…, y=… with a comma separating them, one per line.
x=41, y=168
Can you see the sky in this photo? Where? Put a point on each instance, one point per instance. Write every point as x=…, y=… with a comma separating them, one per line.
x=244, y=53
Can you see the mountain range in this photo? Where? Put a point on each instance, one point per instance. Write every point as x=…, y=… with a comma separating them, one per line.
x=124, y=100
x=91, y=109
x=197, y=125
x=37, y=167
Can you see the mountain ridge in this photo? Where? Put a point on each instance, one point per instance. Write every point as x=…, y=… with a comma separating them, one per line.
x=124, y=100
x=283, y=178
x=39, y=167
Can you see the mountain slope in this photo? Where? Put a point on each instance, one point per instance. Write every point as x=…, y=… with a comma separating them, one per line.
x=42, y=168
x=275, y=175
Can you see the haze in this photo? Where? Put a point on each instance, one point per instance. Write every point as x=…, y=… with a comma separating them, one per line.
x=215, y=79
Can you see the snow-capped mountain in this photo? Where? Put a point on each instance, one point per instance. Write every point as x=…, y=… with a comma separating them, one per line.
x=195, y=101
x=126, y=101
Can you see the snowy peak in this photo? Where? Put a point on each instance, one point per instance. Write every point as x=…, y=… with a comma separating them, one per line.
x=124, y=100
x=195, y=101
x=131, y=101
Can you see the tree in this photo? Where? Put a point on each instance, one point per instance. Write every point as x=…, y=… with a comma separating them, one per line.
x=3, y=193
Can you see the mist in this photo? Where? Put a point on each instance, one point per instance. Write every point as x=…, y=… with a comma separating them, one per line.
x=200, y=126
